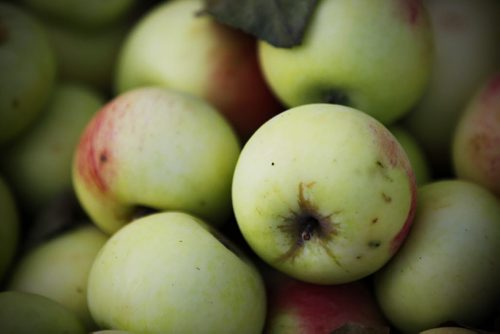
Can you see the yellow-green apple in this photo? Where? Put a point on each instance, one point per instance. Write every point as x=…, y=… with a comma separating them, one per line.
x=38, y=163
x=93, y=14
x=27, y=67
x=447, y=269
x=174, y=47
x=476, y=142
x=373, y=55
x=23, y=312
x=155, y=148
x=171, y=272
x=324, y=193
x=300, y=307
x=58, y=269
x=466, y=35
x=415, y=152
x=9, y=228
x=449, y=330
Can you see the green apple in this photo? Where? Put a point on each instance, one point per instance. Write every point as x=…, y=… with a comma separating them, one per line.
x=476, y=139
x=152, y=148
x=22, y=313
x=466, y=35
x=92, y=14
x=174, y=47
x=58, y=269
x=415, y=152
x=324, y=193
x=38, y=164
x=171, y=272
x=9, y=228
x=373, y=55
x=27, y=67
x=447, y=269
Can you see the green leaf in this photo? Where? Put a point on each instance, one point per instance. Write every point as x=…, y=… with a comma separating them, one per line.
x=281, y=23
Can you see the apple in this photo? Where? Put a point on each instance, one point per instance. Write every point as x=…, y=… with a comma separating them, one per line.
x=371, y=55
x=299, y=307
x=324, y=193
x=174, y=47
x=447, y=269
x=28, y=68
x=22, y=312
x=58, y=269
x=9, y=227
x=93, y=14
x=171, y=272
x=38, y=163
x=466, y=35
x=416, y=154
x=476, y=141
x=152, y=148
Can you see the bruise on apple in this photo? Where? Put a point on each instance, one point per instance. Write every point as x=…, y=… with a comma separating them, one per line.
x=306, y=224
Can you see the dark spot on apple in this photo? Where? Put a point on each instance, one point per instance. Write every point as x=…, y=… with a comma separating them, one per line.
x=336, y=96
x=197, y=268
x=380, y=164
x=358, y=257
x=375, y=220
x=386, y=198
x=103, y=157
x=272, y=163
x=15, y=103
x=374, y=244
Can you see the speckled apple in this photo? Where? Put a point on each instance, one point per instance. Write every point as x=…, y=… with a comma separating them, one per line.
x=324, y=193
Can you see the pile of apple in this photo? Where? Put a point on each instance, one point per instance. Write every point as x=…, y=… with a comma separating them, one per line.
x=163, y=170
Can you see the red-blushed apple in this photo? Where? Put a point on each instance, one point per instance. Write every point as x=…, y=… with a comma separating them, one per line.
x=372, y=55
x=152, y=148
x=324, y=193
x=476, y=142
x=305, y=308
x=175, y=47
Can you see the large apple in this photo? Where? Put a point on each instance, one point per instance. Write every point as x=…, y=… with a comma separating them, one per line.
x=447, y=269
x=153, y=149
x=373, y=55
x=9, y=228
x=171, y=272
x=324, y=193
x=466, y=35
x=58, y=269
x=476, y=141
x=27, y=67
x=174, y=47
x=22, y=312
x=38, y=163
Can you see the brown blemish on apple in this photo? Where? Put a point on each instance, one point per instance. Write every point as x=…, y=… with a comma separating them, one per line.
x=374, y=220
x=308, y=224
x=411, y=10
x=386, y=198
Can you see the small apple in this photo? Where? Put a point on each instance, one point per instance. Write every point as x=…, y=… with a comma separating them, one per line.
x=415, y=152
x=466, y=35
x=373, y=55
x=476, y=142
x=27, y=67
x=324, y=193
x=152, y=148
x=447, y=269
x=171, y=272
x=22, y=312
x=58, y=269
x=174, y=47
x=38, y=163
x=9, y=228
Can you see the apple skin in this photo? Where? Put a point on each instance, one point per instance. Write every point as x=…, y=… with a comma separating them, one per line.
x=319, y=203
x=22, y=312
x=299, y=307
x=447, y=269
x=466, y=35
x=58, y=269
x=356, y=53
x=28, y=68
x=476, y=142
x=170, y=272
x=38, y=163
x=9, y=228
x=209, y=60
x=157, y=149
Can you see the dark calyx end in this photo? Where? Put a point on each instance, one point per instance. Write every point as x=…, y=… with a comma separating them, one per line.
x=336, y=96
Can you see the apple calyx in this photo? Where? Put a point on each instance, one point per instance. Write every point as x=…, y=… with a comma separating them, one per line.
x=307, y=224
